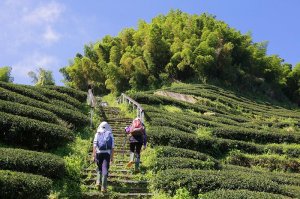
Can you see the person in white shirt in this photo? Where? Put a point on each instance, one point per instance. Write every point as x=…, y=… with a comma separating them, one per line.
x=103, y=153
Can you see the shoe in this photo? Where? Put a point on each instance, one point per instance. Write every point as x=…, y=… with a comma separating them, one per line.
x=103, y=190
x=129, y=165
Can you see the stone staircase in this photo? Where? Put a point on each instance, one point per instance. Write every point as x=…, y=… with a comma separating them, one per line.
x=122, y=182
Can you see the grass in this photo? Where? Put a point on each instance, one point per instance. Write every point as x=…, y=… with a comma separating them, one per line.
x=74, y=155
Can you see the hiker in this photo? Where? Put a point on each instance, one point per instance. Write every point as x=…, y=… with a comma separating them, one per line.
x=137, y=138
x=103, y=153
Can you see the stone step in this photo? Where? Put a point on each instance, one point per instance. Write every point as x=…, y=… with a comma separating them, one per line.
x=112, y=176
x=119, y=182
x=95, y=194
x=135, y=195
x=130, y=189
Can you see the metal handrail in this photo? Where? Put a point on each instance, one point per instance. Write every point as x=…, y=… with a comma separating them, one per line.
x=126, y=99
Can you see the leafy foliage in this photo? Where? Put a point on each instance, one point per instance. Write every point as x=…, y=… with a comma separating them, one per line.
x=32, y=133
x=21, y=185
x=43, y=77
x=44, y=164
x=5, y=74
x=184, y=47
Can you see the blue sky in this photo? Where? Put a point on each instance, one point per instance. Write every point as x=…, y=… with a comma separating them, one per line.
x=41, y=33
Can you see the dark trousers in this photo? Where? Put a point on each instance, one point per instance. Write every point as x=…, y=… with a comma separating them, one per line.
x=136, y=147
x=103, y=160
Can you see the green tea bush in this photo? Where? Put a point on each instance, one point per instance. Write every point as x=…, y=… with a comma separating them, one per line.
x=182, y=163
x=279, y=177
x=28, y=111
x=32, y=133
x=21, y=185
x=168, y=151
x=200, y=181
x=167, y=136
x=53, y=94
x=44, y=164
x=77, y=94
x=270, y=162
x=20, y=89
x=75, y=117
x=258, y=136
x=240, y=194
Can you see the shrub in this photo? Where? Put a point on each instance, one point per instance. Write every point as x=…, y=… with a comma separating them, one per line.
x=240, y=194
x=32, y=133
x=77, y=94
x=240, y=133
x=45, y=164
x=280, y=178
x=271, y=162
x=172, y=137
x=207, y=180
x=168, y=151
x=21, y=185
x=182, y=163
x=52, y=94
x=74, y=117
x=24, y=91
x=28, y=111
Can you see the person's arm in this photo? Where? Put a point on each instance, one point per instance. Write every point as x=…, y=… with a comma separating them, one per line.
x=94, y=147
x=113, y=149
x=145, y=139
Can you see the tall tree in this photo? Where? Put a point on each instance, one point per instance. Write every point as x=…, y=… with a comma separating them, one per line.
x=42, y=77
x=5, y=74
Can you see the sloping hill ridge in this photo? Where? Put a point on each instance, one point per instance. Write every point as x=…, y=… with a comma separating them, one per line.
x=34, y=121
x=243, y=147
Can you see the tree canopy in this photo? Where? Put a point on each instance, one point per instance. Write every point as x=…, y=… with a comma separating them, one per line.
x=5, y=74
x=42, y=77
x=183, y=47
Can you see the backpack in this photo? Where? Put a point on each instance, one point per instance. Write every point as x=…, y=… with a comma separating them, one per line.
x=136, y=123
x=104, y=141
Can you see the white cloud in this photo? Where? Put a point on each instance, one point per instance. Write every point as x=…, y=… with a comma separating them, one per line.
x=33, y=62
x=50, y=36
x=29, y=22
x=48, y=13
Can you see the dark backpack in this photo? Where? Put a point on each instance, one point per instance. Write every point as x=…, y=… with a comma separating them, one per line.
x=104, y=141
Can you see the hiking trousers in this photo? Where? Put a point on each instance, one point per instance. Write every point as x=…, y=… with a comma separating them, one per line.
x=103, y=160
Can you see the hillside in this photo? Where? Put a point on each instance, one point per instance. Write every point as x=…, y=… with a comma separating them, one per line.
x=38, y=126
x=221, y=144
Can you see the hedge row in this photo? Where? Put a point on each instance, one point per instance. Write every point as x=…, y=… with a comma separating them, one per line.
x=278, y=177
x=234, y=102
x=77, y=94
x=168, y=151
x=155, y=99
x=63, y=104
x=44, y=164
x=32, y=133
x=166, y=136
x=258, y=136
x=74, y=117
x=24, y=91
x=167, y=121
x=196, y=181
x=181, y=163
x=270, y=162
x=21, y=185
x=240, y=194
x=52, y=94
x=28, y=111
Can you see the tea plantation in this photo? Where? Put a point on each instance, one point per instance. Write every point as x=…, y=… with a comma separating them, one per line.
x=34, y=123
x=222, y=145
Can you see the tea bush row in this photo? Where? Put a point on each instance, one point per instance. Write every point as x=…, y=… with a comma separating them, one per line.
x=44, y=164
x=32, y=133
x=21, y=185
